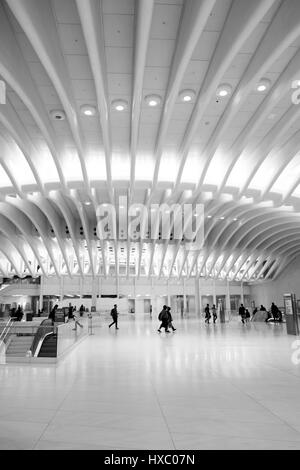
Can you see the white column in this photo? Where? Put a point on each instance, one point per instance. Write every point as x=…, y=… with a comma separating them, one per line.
x=168, y=293
x=153, y=303
x=117, y=286
x=228, y=296
x=200, y=296
x=94, y=292
x=41, y=293
x=184, y=295
x=61, y=293
x=197, y=300
x=242, y=293
x=214, y=293
x=80, y=287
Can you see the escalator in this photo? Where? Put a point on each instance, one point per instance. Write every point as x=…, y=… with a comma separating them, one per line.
x=49, y=346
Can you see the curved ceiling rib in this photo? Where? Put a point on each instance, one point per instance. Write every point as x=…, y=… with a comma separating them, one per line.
x=280, y=90
x=193, y=21
x=39, y=220
x=240, y=23
x=15, y=71
x=92, y=24
x=39, y=26
x=21, y=222
x=142, y=32
x=70, y=223
x=8, y=229
x=273, y=44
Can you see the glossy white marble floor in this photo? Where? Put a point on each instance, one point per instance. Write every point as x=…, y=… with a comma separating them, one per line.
x=228, y=386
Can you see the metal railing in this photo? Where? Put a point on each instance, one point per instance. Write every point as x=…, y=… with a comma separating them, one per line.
x=5, y=330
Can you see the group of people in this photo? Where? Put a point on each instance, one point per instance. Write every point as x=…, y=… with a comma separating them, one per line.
x=274, y=314
x=244, y=314
x=71, y=315
x=166, y=319
x=208, y=314
x=16, y=313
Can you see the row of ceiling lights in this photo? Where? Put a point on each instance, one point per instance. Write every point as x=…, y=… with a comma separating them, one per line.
x=154, y=100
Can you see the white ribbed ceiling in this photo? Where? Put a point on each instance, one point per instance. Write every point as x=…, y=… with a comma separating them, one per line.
x=237, y=154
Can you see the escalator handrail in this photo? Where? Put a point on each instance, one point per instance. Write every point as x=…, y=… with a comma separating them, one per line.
x=42, y=332
x=40, y=343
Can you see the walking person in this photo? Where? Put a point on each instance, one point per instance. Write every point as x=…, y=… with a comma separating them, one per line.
x=81, y=310
x=77, y=323
x=114, y=314
x=247, y=315
x=70, y=312
x=170, y=324
x=275, y=312
x=164, y=318
x=51, y=315
x=214, y=313
x=207, y=314
x=19, y=313
x=242, y=313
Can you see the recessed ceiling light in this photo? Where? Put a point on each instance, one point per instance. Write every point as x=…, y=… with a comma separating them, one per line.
x=153, y=100
x=187, y=95
x=263, y=85
x=119, y=105
x=209, y=216
x=88, y=110
x=57, y=114
x=87, y=203
x=224, y=90
x=222, y=218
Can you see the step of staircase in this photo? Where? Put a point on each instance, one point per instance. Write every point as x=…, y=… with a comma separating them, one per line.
x=19, y=346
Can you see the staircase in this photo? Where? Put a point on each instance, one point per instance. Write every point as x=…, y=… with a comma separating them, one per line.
x=19, y=345
x=49, y=346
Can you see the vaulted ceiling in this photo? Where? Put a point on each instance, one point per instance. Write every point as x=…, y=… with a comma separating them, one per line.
x=165, y=101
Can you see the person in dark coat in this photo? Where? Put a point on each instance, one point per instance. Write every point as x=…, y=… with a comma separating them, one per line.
x=164, y=318
x=170, y=324
x=207, y=313
x=242, y=313
x=70, y=313
x=275, y=311
x=81, y=310
x=247, y=315
x=51, y=315
x=19, y=313
x=114, y=314
x=214, y=313
x=13, y=313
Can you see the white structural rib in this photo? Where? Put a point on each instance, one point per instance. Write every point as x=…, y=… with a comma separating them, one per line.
x=274, y=43
x=38, y=25
x=142, y=32
x=70, y=222
x=239, y=25
x=194, y=18
x=92, y=24
x=15, y=71
x=23, y=225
